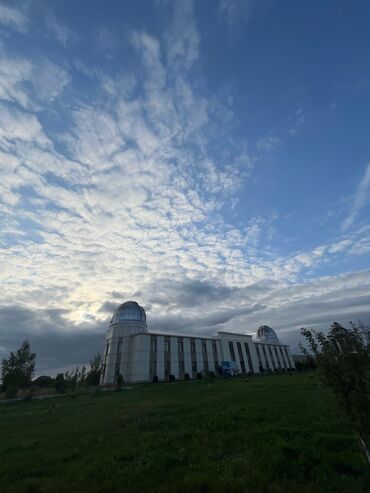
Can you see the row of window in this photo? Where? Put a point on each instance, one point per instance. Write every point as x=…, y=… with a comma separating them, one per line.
x=282, y=361
x=180, y=345
x=153, y=368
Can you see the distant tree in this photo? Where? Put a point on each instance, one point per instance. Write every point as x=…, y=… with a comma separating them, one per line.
x=342, y=358
x=44, y=381
x=60, y=384
x=82, y=378
x=71, y=378
x=18, y=370
x=95, y=371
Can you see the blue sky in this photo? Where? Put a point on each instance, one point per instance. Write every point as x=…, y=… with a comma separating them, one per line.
x=209, y=159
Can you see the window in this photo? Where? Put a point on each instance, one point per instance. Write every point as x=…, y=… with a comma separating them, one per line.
x=232, y=352
x=287, y=357
x=214, y=349
x=107, y=349
x=272, y=359
x=206, y=367
x=182, y=367
x=265, y=355
x=258, y=354
x=194, y=366
x=192, y=347
x=282, y=356
x=167, y=368
x=249, y=356
x=153, y=344
x=204, y=346
x=181, y=347
x=153, y=368
x=167, y=346
x=277, y=357
x=241, y=357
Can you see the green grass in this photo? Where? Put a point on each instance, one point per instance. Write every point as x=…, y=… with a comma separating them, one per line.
x=271, y=434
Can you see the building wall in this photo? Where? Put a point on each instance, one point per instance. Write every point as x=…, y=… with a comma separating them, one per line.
x=140, y=356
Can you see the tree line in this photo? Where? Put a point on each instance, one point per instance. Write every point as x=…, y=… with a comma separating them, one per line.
x=18, y=371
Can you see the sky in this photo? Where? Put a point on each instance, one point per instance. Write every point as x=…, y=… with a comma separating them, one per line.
x=208, y=159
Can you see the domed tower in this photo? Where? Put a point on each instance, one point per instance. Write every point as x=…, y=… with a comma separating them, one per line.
x=128, y=320
x=267, y=334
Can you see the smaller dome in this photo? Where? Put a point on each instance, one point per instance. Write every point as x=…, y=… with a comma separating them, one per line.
x=267, y=334
x=129, y=312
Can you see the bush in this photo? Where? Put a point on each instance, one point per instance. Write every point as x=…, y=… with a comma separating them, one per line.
x=186, y=376
x=172, y=378
x=199, y=376
x=120, y=381
x=60, y=384
x=44, y=381
x=11, y=392
x=155, y=379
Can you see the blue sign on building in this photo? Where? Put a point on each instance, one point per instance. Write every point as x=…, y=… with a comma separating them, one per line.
x=229, y=368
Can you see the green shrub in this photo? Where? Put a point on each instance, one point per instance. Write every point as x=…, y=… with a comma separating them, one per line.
x=11, y=392
x=119, y=383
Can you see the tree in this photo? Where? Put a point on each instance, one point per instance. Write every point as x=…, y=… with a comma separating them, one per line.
x=343, y=361
x=96, y=368
x=60, y=384
x=18, y=370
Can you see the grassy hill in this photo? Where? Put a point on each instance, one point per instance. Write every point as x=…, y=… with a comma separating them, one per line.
x=276, y=433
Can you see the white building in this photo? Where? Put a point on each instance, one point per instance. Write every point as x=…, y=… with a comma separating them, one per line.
x=141, y=356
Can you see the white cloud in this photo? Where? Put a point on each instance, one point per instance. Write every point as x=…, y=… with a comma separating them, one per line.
x=362, y=197
x=62, y=33
x=13, y=17
x=131, y=193
x=31, y=83
x=19, y=126
x=235, y=13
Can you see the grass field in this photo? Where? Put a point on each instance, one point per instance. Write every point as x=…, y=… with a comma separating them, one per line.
x=278, y=433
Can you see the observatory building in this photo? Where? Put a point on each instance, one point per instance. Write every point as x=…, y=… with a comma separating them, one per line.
x=142, y=356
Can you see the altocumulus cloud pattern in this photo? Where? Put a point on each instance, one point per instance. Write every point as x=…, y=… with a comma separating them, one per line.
x=184, y=155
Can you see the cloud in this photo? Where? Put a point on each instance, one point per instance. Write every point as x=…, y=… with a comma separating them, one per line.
x=14, y=18
x=62, y=33
x=31, y=83
x=125, y=190
x=19, y=126
x=236, y=13
x=361, y=198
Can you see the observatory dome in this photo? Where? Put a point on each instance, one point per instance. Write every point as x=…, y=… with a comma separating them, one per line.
x=267, y=334
x=128, y=313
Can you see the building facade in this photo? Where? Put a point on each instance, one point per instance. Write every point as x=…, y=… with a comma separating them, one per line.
x=142, y=356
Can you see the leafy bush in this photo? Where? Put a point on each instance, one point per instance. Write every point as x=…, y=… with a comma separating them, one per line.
x=11, y=392
x=186, y=376
x=172, y=378
x=119, y=383
x=60, y=384
x=155, y=379
x=199, y=376
x=44, y=381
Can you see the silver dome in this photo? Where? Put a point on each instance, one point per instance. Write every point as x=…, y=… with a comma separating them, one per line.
x=267, y=334
x=129, y=312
